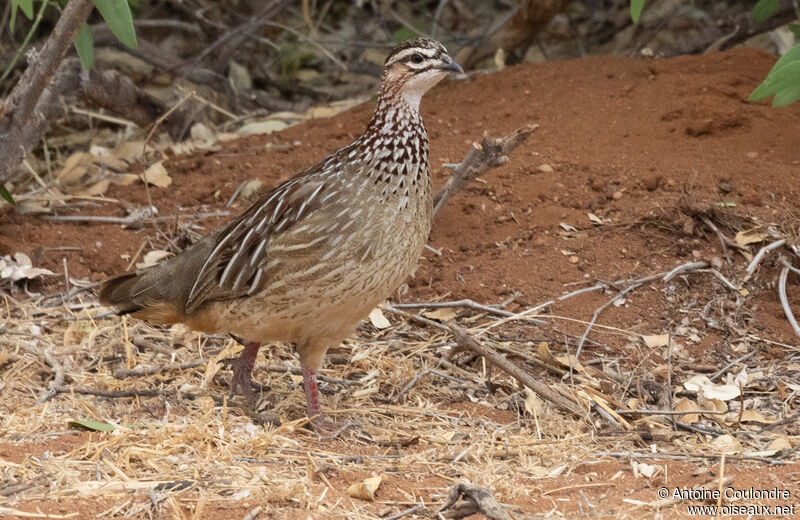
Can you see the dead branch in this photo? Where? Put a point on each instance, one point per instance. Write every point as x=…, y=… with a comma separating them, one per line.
x=467, y=303
x=490, y=153
x=785, y=301
x=26, y=112
x=467, y=342
x=476, y=500
x=148, y=370
x=58, y=377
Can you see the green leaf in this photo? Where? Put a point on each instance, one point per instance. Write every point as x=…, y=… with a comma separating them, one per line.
x=6, y=195
x=84, y=44
x=117, y=14
x=765, y=8
x=402, y=34
x=786, y=96
x=94, y=426
x=636, y=10
x=26, y=6
x=782, y=76
x=795, y=28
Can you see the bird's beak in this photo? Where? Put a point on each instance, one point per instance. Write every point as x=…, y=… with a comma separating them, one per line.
x=450, y=66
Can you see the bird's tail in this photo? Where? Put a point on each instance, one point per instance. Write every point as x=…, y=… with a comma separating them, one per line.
x=118, y=292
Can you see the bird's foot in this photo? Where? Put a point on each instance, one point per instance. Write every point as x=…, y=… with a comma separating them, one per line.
x=241, y=382
x=330, y=430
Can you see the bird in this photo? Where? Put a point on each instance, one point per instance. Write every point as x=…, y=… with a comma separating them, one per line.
x=308, y=260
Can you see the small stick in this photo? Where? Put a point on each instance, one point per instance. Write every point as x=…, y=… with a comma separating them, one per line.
x=405, y=512
x=688, y=266
x=58, y=377
x=236, y=194
x=419, y=376
x=721, y=278
x=669, y=412
x=148, y=370
x=468, y=342
x=490, y=153
x=479, y=500
x=760, y=256
x=463, y=303
x=785, y=301
x=729, y=365
x=66, y=274
x=253, y=514
x=672, y=456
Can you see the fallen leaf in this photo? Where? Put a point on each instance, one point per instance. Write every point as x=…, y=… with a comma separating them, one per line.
x=656, y=340
x=702, y=384
x=152, y=258
x=250, y=188
x=750, y=236
x=560, y=361
x=754, y=416
x=726, y=444
x=157, y=175
x=94, y=426
x=20, y=267
x=378, y=320
x=533, y=403
x=644, y=470
x=442, y=314
x=686, y=405
x=262, y=127
x=780, y=443
x=365, y=490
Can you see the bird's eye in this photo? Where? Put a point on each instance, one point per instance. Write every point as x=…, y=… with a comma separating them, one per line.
x=416, y=58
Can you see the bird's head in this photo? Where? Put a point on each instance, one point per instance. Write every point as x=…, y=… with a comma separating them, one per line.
x=414, y=66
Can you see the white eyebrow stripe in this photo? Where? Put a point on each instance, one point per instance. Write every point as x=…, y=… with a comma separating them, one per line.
x=405, y=53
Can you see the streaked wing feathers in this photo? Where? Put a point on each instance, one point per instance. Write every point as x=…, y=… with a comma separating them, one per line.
x=234, y=267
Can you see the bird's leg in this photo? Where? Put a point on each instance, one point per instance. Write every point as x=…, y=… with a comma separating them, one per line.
x=313, y=408
x=241, y=382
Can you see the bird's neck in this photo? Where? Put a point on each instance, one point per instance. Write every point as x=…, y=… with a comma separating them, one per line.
x=395, y=111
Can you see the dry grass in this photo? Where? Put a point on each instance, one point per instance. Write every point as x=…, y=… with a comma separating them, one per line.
x=187, y=451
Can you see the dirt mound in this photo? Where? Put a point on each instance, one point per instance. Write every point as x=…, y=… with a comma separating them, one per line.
x=635, y=165
x=622, y=139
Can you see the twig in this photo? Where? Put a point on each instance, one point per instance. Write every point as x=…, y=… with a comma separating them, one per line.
x=253, y=514
x=721, y=278
x=785, y=301
x=462, y=303
x=419, y=376
x=466, y=341
x=405, y=512
x=490, y=153
x=478, y=500
x=670, y=412
x=760, y=256
x=688, y=457
x=688, y=266
x=729, y=365
x=58, y=377
x=145, y=370
x=596, y=314
x=133, y=392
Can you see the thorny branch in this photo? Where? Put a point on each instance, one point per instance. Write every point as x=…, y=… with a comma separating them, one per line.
x=25, y=114
x=468, y=342
x=490, y=153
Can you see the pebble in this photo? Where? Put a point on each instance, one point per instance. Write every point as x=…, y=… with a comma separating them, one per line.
x=616, y=195
x=545, y=168
x=574, y=259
